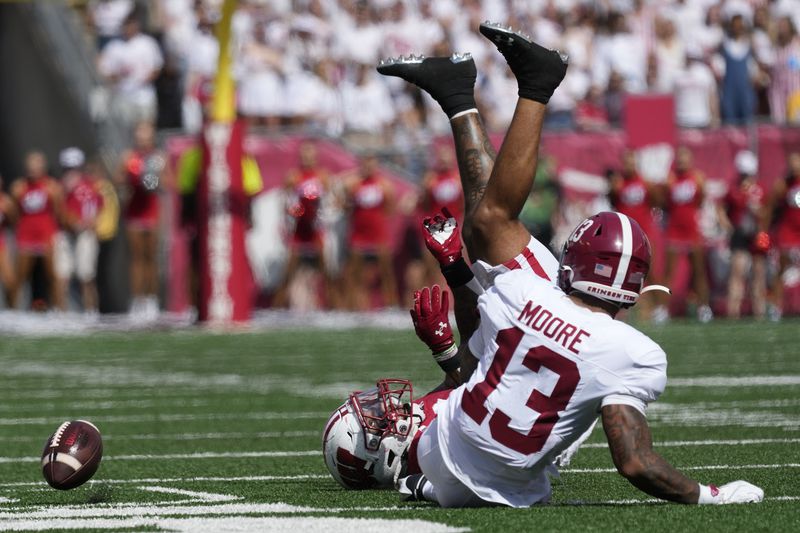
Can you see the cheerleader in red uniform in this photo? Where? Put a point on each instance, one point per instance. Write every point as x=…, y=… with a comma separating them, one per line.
x=8, y=214
x=785, y=210
x=442, y=186
x=39, y=202
x=684, y=197
x=742, y=214
x=141, y=175
x=631, y=195
x=306, y=187
x=370, y=198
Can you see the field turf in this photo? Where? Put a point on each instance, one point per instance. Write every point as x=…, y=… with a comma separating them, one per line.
x=213, y=432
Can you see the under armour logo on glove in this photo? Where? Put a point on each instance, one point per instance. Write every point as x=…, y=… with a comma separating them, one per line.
x=431, y=305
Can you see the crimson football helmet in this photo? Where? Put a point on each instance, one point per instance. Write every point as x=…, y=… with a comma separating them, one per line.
x=607, y=256
x=366, y=438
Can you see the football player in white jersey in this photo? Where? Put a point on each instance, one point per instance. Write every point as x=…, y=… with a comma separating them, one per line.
x=548, y=355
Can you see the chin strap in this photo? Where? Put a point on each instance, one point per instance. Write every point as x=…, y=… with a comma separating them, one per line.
x=661, y=288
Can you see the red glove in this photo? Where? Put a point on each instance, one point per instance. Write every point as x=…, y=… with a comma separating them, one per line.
x=432, y=325
x=443, y=238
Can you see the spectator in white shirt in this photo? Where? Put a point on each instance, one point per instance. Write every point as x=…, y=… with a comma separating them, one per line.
x=620, y=52
x=131, y=65
x=262, y=96
x=107, y=17
x=696, y=100
x=359, y=40
x=670, y=55
x=368, y=107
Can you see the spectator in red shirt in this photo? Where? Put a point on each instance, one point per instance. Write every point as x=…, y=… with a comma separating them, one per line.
x=741, y=213
x=83, y=204
x=306, y=187
x=370, y=197
x=39, y=200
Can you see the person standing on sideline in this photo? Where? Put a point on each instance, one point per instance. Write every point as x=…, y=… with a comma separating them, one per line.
x=742, y=213
x=141, y=175
x=40, y=200
x=370, y=196
x=685, y=193
x=784, y=210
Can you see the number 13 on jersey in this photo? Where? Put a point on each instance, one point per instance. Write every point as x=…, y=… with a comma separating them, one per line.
x=473, y=402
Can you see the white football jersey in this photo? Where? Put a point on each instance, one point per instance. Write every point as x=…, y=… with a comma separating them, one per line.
x=546, y=367
x=536, y=258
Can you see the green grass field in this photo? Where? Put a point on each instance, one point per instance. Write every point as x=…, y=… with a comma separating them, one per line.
x=211, y=432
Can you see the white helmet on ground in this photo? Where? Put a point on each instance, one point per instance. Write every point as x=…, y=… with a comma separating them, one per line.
x=366, y=438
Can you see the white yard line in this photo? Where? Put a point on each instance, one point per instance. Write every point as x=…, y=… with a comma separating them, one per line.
x=667, y=414
x=210, y=497
x=711, y=442
x=304, y=477
x=188, y=436
x=275, y=524
x=201, y=479
x=198, y=455
x=706, y=467
x=174, y=417
x=735, y=381
x=105, y=405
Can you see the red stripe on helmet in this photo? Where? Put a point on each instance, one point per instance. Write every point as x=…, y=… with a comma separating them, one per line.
x=353, y=470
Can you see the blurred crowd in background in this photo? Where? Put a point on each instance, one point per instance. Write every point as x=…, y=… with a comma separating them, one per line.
x=726, y=61
x=308, y=67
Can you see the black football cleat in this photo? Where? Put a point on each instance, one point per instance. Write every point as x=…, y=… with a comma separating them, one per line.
x=538, y=70
x=449, y=80
x=411, y=487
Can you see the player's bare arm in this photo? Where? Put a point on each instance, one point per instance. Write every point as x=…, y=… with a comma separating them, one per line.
x=631, y=447
x=632, y=451
x=451, y=82
x=496, y=231
x=476, y=156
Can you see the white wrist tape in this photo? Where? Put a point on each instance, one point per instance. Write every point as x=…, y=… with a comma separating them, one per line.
x=447, y=354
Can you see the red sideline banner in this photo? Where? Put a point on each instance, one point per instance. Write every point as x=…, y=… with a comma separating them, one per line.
x=650, y=119
x=226, y=283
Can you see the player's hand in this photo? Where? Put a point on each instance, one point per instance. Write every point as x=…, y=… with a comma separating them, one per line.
x=431, y=305
x=733, y=492
x=442, y=237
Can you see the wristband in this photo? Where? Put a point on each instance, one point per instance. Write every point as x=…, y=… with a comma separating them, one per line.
x=457, y=274
x=448, y=359
x=462, y=113
x=708, y=494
